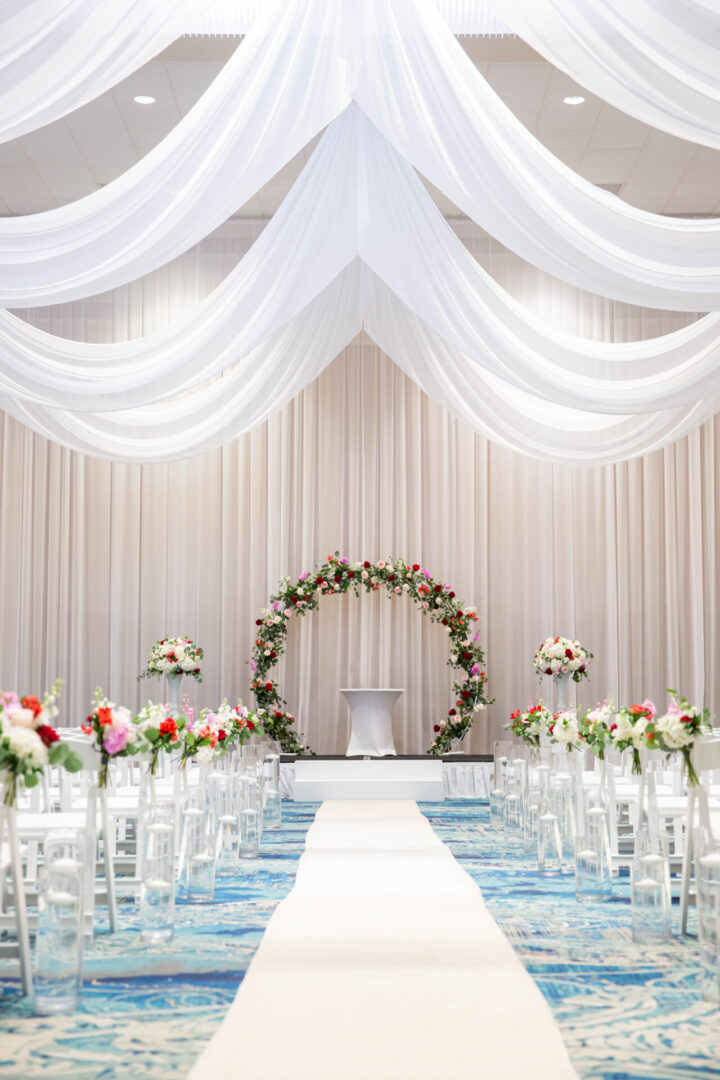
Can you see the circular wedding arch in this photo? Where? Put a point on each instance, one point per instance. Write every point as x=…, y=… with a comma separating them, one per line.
x=337, y=575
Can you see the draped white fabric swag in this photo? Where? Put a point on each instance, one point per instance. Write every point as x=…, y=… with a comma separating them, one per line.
x=56, y=55
x=401, y=63
x=369, y=248
x=660, y=62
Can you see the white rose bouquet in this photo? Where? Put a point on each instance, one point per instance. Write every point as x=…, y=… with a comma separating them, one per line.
x=678, y=729
x=174, y=656
x=564, y=729
x=560, y=656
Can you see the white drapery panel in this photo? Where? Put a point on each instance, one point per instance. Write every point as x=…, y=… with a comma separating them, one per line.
x=97, y=560
x=660, y=62
x=400, y=62
x=56, y=55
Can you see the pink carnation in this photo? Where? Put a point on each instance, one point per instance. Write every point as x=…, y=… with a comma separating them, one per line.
x=115, y=739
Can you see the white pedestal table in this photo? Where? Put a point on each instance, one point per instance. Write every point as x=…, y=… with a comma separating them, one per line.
x=371, y=722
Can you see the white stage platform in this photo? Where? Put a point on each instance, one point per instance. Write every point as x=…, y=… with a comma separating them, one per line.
x=426, y=779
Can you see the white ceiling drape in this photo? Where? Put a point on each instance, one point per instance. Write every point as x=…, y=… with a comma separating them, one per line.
x=56, y=55
x=244, y=128
x=401, y=63
x=660, y=62
x=359, y=242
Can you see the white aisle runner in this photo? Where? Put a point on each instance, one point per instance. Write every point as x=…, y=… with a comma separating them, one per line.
x=383, y=963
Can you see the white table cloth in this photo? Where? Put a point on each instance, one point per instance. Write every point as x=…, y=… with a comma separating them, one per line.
x=371, y=722
x=383, y=963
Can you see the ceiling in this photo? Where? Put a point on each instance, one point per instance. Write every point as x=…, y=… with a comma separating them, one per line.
x=87, y=149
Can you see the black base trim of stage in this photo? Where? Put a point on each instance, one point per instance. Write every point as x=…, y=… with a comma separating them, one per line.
x=457, y=758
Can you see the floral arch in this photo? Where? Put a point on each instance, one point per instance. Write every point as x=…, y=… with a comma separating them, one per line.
x=338, y=575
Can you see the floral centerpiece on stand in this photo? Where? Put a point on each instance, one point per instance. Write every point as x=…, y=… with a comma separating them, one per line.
x=115, y=734
x=561, y=656
x=531, y=724
x=174, y=656
x=29, y=742
x=162, y=728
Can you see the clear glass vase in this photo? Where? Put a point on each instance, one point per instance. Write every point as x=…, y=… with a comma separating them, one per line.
x=707, y=877
x=224, y=818
x=593, y=871
x=198, y=848
x=650, y=890
x=157, y=883
x=59, y=940
x=272, y=802
x=249, y=809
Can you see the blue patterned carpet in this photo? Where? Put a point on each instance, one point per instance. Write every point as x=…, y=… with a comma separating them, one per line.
x=626, y=1012
x=147, y=1012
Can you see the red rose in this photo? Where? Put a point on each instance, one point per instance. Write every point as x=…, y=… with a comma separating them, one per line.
x=278, y=716
x=452, y=713
x=466, y=694
x=104, y=716
x=367, y=565
x=569, y=654
x=436, y=727
x=466, y=656
x=444, y=622
x=268, y=686
x=391, y=577
x=47, y=734
x=221, y=735
x=451, y=595
x=273, y=655
x=338, y=577
x=291, y=719
x=438, y=588
x=548, y=671
x=196, y=671
x=351, y=573
x=459, y=614
x=33, y=703
x=250, y=725
x=416, y=566
x=168, y=727
x=258, y=622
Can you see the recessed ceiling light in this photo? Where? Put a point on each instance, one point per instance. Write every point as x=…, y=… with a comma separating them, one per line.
x=573, y=99
x=144, y=99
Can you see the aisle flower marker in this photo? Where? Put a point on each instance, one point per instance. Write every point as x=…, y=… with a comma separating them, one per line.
x=162, y=728
x=531, y=724
x=28, y=741
x=337, y=575
x=218, y=730
x=115, y=734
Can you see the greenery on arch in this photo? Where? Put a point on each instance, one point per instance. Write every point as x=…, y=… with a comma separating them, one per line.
x=337, y=575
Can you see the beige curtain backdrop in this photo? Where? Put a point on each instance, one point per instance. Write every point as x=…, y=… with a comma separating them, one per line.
x=98, y=560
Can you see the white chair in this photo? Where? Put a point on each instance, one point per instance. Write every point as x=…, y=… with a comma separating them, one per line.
x=705, y=759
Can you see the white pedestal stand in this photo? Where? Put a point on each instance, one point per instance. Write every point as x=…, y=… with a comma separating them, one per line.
x=371, y=722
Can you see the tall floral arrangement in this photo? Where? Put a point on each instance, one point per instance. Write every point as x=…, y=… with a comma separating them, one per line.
x=29, y=742
x=337, y=575
x=561, y=656
x=114, y=733
x=174, y=656
x=217, y=730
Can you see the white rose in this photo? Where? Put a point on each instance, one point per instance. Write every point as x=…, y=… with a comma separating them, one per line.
x=188, y=664
x=277, y=620
x=163, y=665
x=381, y=565
x=204, y=755
x=557, y=651
x=454, y=658
x=406, y=587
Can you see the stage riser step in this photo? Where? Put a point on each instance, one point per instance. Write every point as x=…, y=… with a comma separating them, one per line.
x=316, y=781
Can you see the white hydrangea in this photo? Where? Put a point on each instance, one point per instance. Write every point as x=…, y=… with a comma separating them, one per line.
x=673, y=731
x=26, y=743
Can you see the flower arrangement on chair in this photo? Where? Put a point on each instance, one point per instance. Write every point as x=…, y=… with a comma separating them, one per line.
x=28, y=741
x=115, y=734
